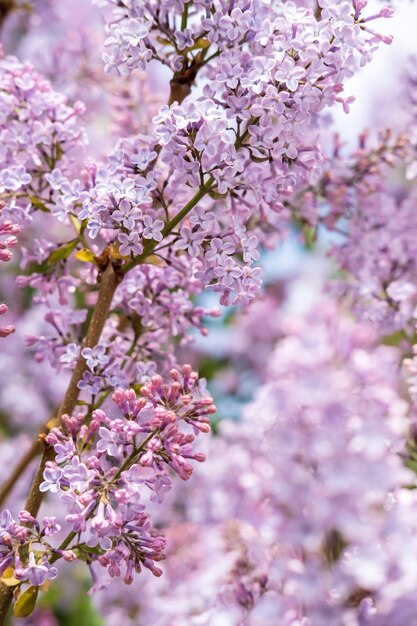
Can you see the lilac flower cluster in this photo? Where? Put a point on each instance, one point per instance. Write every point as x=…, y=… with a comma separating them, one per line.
x=241, y=147
x=374, y=247
x=382, y=264
x=20, y=538
x=185, y=200
x=156, y=300
x=183, y=34
x=38, y=129
x=104, y=468
x=243, y=144
x=333, y=422
x=301, y=507
x=117, y=196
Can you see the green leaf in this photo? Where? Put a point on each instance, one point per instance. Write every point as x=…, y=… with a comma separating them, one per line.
x=75, y=223
x=62, y=253
x=38, y=204
x=85, y=255
x=200, y=44
x=26, y=602
x=8, y=577
x=310, y=236
x=75, y=613
x=209, y=368
x=394, y=339
x=84, y=552
x=411, y=464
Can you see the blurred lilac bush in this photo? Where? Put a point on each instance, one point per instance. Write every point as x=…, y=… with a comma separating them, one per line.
x=151, y=154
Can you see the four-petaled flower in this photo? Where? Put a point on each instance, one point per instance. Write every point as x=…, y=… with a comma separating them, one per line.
x=152, y=228
x=95, y=357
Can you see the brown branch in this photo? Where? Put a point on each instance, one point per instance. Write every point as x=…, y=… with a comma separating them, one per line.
x=6, y=597
x=178, y=91
x=35, y=449
x=182, y=81
x=108, y=285
x=6, y=6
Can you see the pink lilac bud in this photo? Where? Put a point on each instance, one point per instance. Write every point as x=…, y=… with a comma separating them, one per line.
x=5, y=255
x=25, y=518
x=9, y=229
x=5, y=331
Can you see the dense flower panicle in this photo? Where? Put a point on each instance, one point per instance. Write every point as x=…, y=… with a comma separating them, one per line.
x=331, y=419
x=38, y=130
x=382, y=264
x=371, y=227
x=202, y=187
x=104, y=469
x=241, y=146
x=105, y=472
x=169, y=31
x=159, y=300
x=300, y=516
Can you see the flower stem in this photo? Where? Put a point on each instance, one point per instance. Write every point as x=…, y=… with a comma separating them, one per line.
x=149, y=247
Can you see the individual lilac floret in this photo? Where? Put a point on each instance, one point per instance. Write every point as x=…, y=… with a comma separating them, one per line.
x=52, y=476
x=36, y=573
x=70, y=356
x=96, y=357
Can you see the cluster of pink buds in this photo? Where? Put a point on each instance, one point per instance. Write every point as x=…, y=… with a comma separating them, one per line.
x=108, y=465
x=8, y=232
